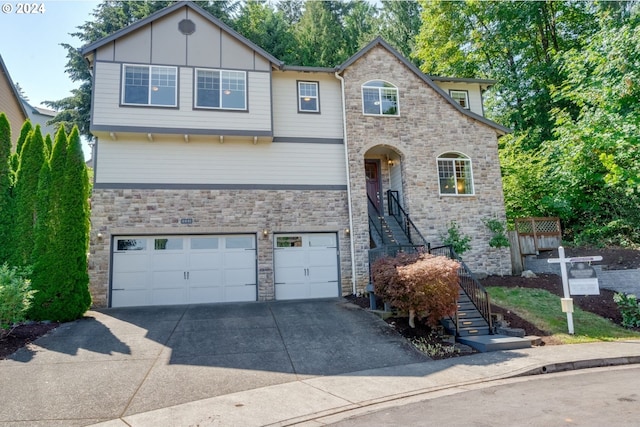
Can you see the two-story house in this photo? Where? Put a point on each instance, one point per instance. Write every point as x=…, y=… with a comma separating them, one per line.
x=222, y=174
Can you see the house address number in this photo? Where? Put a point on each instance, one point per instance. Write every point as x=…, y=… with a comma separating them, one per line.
x=186, y=220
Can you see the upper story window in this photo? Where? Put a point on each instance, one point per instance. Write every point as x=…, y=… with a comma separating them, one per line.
x=221, y=89
x=308, y=101
x=455, y=175
x=149, y=85
x=380, y=98
x=461, y=97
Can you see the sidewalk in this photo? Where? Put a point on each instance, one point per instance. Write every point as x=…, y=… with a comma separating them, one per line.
x=321, y=400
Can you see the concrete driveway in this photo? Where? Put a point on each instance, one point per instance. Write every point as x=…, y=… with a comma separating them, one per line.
x=118, y=362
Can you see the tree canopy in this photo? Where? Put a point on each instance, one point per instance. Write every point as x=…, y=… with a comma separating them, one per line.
x=566, y=78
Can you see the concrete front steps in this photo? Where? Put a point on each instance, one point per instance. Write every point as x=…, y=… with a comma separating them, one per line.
x=495, y=342
x=475, y=332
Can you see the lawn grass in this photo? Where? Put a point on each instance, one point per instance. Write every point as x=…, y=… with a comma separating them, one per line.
x=543, y=309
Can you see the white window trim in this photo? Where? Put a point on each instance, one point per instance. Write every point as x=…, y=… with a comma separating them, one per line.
x=380, y=97
x=148, y=104
x=466, y=97
x=464, y=158
x=220, y=70
x=317, y=97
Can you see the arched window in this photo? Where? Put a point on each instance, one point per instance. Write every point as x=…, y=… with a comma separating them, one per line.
x=380, y=98
x=454, y=174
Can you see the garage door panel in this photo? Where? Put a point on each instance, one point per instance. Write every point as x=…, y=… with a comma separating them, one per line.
x=205, y=260
x=134, y=280
x=323, y=290
x=168, y=261
x=129, y=298
x=206, y=294
x=322, y=274
x=240, y=293
x=169, y=296
x=326, y=258
x=159, y=270
x=287, y=291
x=290, y=257
x=306, y=266
x=205, y=278
x=132, y=261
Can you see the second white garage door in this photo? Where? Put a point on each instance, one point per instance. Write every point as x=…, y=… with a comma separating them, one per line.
x=306, y=266
x=164, y=270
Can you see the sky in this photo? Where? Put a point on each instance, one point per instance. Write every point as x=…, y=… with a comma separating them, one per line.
x=30, y=46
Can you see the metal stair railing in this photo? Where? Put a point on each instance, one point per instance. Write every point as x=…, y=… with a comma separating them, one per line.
x=471, y=286
x=376, y=221
x=403, y=220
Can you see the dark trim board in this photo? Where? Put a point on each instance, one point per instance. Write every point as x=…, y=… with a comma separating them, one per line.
x=180, y=131
x=305, y=140
x=167, y=186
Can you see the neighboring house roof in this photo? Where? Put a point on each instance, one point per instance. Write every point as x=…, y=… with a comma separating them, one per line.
x=379, y=41
x=170, y=9
x=13, y=90
x=40, y=116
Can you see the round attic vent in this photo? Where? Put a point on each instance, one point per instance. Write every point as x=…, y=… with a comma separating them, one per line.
x=187, y=27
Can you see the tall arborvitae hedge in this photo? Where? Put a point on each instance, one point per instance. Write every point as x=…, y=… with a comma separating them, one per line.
x=32, y=157
x=60, y=270
x=6, y=202
x=27, y=127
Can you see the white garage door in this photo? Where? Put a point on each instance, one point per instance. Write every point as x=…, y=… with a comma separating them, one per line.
x=306, y=266
x=163, y=270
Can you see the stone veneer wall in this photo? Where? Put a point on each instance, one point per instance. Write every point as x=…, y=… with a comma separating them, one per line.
x=140, y=212
x=427, y=127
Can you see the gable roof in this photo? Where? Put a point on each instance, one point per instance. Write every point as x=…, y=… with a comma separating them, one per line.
x=170, y=9
x=14, y=90
x=379, y=41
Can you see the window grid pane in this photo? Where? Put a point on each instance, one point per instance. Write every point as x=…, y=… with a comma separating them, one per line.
x=389, y=101
x=208, y=89
x=163, y=86
x=455, y=176
x=136, y=85
x=307, y=96
x=380, y=98
x=233, y=89
x=371, y=100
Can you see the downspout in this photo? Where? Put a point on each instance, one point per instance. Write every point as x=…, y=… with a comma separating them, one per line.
x=346, y=159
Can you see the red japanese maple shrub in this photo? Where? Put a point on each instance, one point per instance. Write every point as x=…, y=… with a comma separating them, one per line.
x=418, y=283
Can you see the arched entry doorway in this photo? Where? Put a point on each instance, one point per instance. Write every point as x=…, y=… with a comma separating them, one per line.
x=383, y=172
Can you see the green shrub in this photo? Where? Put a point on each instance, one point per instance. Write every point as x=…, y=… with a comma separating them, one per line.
x=454, y=238
x=15, y=297
x=629, y=309
x=421, y=284
x=499, y=238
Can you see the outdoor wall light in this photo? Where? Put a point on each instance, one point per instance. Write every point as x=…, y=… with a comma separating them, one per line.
x=347, y=231
x=391, y=163
x=100, y=237
x=265, y=232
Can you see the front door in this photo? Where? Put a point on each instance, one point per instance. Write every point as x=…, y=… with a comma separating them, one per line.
x=372, y=172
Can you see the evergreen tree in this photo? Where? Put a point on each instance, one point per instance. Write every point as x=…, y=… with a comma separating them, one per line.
x=15, y=157
x=267, y=28
x=320, y=36
x=26, y=189
x=401, y=22
x=6, y=201
x=60, y=271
